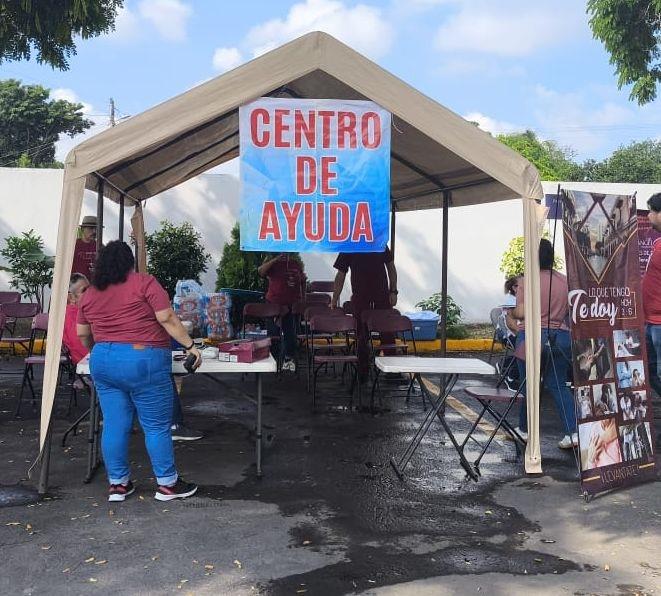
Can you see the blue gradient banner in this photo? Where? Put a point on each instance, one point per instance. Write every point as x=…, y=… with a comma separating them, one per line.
x=315, y=175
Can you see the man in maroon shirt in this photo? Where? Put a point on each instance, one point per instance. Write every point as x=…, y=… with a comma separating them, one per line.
x=373, y=285
x=84, y=254
x=652, y=300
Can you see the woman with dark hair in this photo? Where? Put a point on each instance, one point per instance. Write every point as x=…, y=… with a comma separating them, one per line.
x=127, y=318
x=555, y=338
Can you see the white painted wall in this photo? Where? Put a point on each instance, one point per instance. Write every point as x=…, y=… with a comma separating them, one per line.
x=30, y=198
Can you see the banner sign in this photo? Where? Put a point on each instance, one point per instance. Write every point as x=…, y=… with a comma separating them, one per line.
x=315, y=175
x=612, y=391
x=647, y=235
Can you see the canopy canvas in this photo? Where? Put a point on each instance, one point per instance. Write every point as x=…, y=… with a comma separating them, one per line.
x=436, y=156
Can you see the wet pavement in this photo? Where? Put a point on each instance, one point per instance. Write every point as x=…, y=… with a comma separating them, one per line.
x=329, y=516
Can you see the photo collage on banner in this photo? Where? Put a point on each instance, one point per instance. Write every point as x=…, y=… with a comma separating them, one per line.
x=613, y=403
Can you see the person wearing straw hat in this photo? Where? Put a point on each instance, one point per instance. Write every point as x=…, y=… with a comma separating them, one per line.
x=84, y=254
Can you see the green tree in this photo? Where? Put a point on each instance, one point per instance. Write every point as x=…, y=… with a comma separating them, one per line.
x=174, y=253
x=512, y=261
x=552, y=161
x=30, y=124
x=639, y=162
x=49, y=27
x=31, y=270
x=237, y=268
x=631, y=33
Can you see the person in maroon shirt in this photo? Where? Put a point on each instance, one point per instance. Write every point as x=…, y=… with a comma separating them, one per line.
x=127, y=318
x=286, y=287
x=84, y=253
x=373, y=286
x=652, y=301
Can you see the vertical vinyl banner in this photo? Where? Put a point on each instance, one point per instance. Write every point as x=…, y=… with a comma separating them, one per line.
x=315, y=175
x=647, y=236
x=612, y=392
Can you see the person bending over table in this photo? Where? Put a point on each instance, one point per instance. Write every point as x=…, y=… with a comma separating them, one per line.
x=286, y=286
x=78, y=284
x=554, y=333
x=373, y=285
x=126, y=319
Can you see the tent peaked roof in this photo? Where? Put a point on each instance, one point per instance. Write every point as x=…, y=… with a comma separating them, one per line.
x=432, y=147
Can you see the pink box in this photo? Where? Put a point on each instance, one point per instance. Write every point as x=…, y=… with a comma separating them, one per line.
x=244, y=350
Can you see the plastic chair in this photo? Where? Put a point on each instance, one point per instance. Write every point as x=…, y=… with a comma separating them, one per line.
x=271, y=314
x=317, y=298
x=332, y=325
x=34, y=358
x=322, y=286
x=390, y=322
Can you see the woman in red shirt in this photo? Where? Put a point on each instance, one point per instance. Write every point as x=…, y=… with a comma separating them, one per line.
x=127, y=318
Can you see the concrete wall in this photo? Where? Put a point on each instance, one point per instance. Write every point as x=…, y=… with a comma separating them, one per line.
x=478, y=235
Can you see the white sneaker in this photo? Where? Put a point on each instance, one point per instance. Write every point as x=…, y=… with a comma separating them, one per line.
x=522, y=433
x=289, y=364
x=568, y=442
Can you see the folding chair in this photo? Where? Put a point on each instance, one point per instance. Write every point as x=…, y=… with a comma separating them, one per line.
x=327, y=287
x=317, y=298
x=489, y=397
x=271, y=315
x=9, y=297
x=333, y=325
x=310, y=312
x=13, y=312
x=37, y=358
x=380, y=322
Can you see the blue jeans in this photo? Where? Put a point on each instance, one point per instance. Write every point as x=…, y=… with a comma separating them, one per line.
x=554, y=379
x=132, y=380
x=653, y=336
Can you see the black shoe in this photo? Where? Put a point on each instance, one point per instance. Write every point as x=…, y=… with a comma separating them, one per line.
x=119, y=492
x=178, y=490
x=181, y=433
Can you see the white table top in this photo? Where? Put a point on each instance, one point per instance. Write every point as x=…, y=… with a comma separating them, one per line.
x=450, y=366
x=208, y=366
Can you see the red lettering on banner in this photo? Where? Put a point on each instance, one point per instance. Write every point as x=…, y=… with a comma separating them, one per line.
x=314, y=230
x=280, y=128
x=346, y=125
x=255, y=131
x=376, y=129
x=327, y=175
x=304, y=129
x=338, y=213
x=291, y=215
x=269, y=225
x=306, y=175
x=325, y=116
x=362, y=224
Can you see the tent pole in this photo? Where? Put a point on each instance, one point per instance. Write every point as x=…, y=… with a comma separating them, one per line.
x=444, y=273
x=121, y=217
x=393, y=217
x=99, y=216
x=42, y=487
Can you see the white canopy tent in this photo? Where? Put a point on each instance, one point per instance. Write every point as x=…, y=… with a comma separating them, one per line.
x=438, y=159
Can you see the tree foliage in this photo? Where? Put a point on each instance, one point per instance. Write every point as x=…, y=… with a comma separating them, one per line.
x=512, y=261
x=30, y=124
x=631, y=33
x=174, y=253
x=552, y=161
x=639, y=162
x=237, y=268
x=49, y=27
x=31, y=270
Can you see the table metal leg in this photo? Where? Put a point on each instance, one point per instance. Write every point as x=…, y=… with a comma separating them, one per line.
x=259, y=425
x=92, y=437
x=437, y=411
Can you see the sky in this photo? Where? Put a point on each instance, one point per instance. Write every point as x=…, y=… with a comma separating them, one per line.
x=508, y=65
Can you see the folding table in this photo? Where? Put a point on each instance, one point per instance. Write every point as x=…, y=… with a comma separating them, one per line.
x=448, y=368
x=210, y=368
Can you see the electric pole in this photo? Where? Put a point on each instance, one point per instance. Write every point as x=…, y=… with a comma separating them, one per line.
x=112, y=112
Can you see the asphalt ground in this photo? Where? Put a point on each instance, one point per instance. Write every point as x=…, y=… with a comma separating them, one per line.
x=329, y=516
